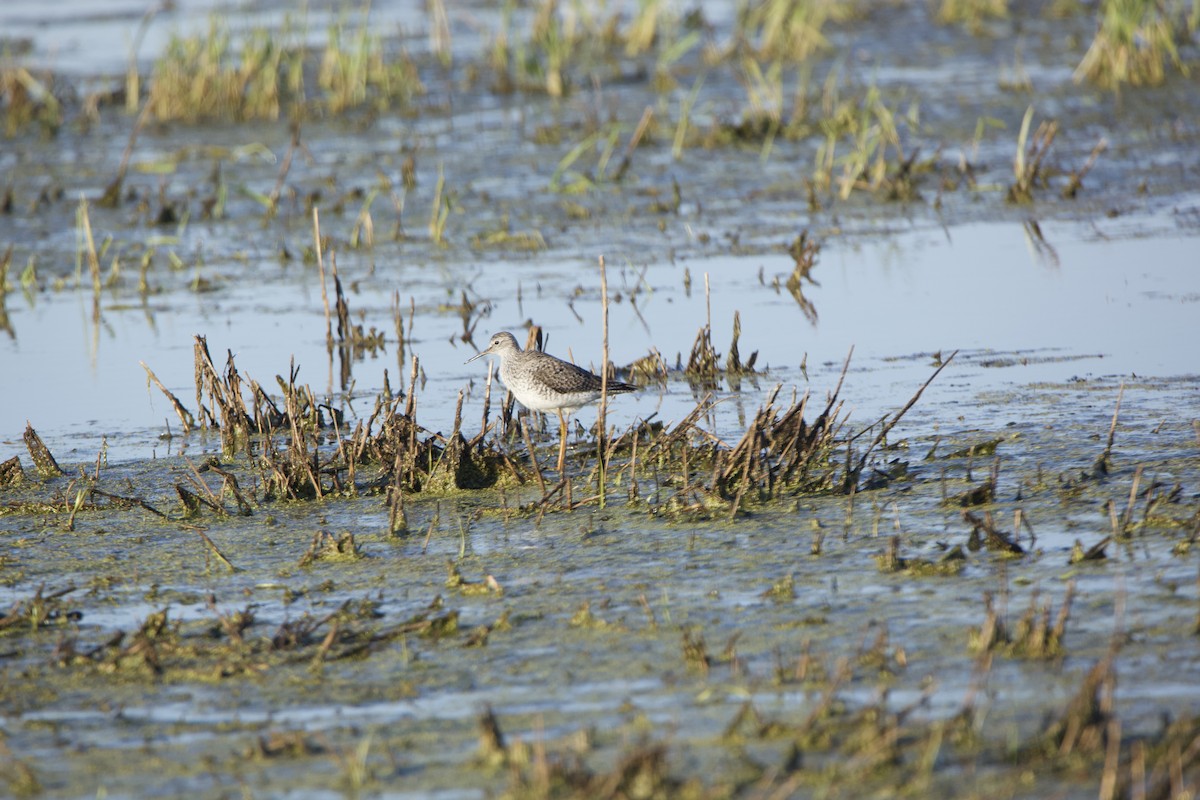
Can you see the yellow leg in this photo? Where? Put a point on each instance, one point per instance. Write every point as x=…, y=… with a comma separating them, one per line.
x=562, y=441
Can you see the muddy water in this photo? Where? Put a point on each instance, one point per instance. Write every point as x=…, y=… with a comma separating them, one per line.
x=605, y=631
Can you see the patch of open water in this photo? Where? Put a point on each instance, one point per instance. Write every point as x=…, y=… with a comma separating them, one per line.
x=1078, y=303
x=78, y=36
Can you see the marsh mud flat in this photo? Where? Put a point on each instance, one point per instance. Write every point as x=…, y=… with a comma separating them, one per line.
x=1012, y=613
x=1004, y=600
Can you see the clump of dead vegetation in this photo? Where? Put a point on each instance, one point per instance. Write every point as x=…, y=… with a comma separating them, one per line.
x=298, y=447
x=233, y=644
x=779, y=453
x=284, y=438
x=836, y=744
x=43, y=610
x=1134, y=40
x=789, y=448
x=1035, y=635
x=1032, y=172
x=28, y=99
x=535, y=772
x=971, y=13
x=704, y=368
x=266, y=75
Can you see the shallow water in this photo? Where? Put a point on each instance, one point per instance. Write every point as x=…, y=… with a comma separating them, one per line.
x=1084, y=303
x=90, y=40
x=686, y=623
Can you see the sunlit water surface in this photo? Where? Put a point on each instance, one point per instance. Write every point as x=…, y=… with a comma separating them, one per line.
x=1075, y=305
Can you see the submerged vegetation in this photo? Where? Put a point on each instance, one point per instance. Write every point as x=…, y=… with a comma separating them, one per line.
x=868, y=137
x=867, y=709
x=352, y=590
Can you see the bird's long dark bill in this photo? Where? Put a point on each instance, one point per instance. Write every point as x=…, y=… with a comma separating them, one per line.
x=477, y=355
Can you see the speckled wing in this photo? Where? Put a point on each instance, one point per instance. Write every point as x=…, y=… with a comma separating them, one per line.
x=562, y=376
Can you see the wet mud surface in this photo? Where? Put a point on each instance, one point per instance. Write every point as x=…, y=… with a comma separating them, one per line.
x=603, y=631
x=1003, y=602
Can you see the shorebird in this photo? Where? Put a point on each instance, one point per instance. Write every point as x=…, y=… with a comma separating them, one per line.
x=541, y=382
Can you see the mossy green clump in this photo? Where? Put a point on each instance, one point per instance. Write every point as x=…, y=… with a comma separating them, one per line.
x=791, y=29
x=971, y=13
x=462, y=467
x=1033, y=637
x=261, y=74
x=1135, y=39
x=26, y=99
x=948, y=565
x=207, y=77
x=327, y=547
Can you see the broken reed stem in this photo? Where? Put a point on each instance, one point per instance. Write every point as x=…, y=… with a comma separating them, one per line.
x=212, y=548
x=181, y=411
x=601, y=414
x=1112, y=429
x=397, y=517
x=5, y=263
x=133, y=90
x=487, y=399
x=284, y=168
x=112, y=194
x=410, y=403
x=627, y=158
x=633, y=483
x=43, y=459
x=299, y=444
x=89, y=244
x=1076, y=182
x=543, y=505
x=537, y=468
x=707, y=304
x=1112, y=758
x=324, y=291
x=340, y=307
x=1127, y=517
x=398, y=322
x=457, y=415
x=128, y=501
x=433, y=523
x=200, y=360
x=887, y=426
x=348, y=458
x=685, y=470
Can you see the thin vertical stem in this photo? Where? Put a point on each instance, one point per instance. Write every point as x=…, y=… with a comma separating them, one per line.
x=324, y=292
x=601, y=421
x=487, y=400
x=537, y=469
